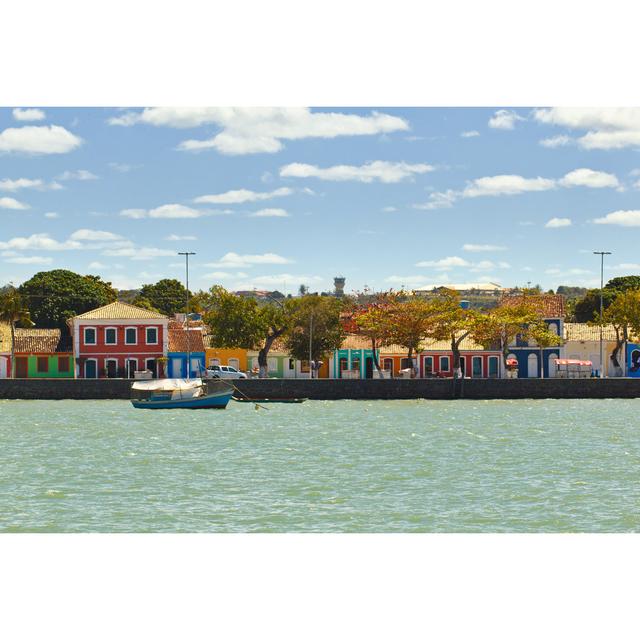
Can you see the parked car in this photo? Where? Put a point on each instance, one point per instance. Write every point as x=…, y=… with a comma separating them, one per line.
x=222, y=371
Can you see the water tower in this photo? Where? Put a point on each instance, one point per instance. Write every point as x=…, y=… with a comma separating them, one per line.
x=338, y=283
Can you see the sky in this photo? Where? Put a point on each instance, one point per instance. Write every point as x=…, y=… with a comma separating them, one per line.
x=271, y=198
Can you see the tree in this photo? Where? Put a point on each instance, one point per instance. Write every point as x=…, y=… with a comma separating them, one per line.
x=314, y=327
x=13, y=311
x=410, y=323
x=373, y=322
x=539, y=332
x=449, y=321
x=623, y=283
x=53, y=297
x=168, y=296
x=624, y=314
x=239, y=322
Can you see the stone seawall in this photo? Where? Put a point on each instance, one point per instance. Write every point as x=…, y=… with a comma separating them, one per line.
x=478, y=389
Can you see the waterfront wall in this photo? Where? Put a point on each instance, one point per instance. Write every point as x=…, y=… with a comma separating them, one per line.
x=323, y=389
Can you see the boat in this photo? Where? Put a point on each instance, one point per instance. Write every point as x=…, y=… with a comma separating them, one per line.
x=176, y=393
x=263, y=400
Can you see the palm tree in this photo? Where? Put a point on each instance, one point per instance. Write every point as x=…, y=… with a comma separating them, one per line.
x=13, y=311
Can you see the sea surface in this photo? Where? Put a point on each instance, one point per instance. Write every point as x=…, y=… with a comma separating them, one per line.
x=340, y=466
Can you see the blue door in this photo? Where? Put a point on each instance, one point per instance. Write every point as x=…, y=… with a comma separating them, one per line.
x=90, y=369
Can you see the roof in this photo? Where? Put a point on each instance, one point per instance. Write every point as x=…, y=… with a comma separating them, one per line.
x=42, y=341
x=579, y=331
x=5, y=336
x=178, y=337
x=548, y=305
x=120, y=311
x=467, y=286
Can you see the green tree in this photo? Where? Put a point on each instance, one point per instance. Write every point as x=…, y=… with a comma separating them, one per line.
x=13, y=311
x=373, y=322
x=624, y=314
x=623, y=283
x=168, y=296
x=314, y=328
x=54, y=296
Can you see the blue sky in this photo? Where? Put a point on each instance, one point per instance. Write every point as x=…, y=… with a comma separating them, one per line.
x=273, y=198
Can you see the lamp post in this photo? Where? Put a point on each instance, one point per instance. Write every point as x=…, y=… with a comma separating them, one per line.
x=311, y=347
x=186, y=255
x=602, y=254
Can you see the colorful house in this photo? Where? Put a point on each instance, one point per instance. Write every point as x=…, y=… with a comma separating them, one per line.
x=532, y=361
x=227, y=357
x=280, y=364
x=5, y=350
x=436, y=360
x=183, y=341
x=117, y=340
x=43, y=353
x=354, y=359
x=582, y=342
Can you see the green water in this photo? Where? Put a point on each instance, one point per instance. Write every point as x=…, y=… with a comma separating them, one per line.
x=401, y=466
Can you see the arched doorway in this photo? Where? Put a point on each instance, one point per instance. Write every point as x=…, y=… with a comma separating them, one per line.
x=552, y=365
x=532, y=366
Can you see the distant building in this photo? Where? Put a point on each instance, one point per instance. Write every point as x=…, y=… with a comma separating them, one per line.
x=338, y=283
x=465, y=289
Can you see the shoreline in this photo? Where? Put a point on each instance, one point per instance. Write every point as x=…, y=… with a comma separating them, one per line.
x=339, y=389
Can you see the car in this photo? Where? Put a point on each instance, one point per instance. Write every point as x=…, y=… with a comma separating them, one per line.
x=222, y=371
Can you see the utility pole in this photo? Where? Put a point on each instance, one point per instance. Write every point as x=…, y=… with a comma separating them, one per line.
x=186, y=255
x=311, y=347
x=602, y=254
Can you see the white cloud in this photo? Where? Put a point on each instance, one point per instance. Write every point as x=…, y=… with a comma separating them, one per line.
x=225, y=275
x=607, y=128
x=12, y=203
x=379, y=170
x=504, y=119
x=38, y=140
x=281, y=279
x=173, y=237
x=167, y=211
x=445, y=263
x=28, y=183
x=51, y=214
x=261, y=130
x=29, y=260
x=239, y=196
x=270, y=213
x=439, y=200
x=483, y=247
x=556, y=223
x=589, y=178
x=408, y=280
x=556, y=141
x=94, y=235
x=28, y=114
x=139, y=253
x=79, y=174
x=469, y=134
x=39, y=241
x=235, y=260
x=122, y=167
x=506, y=185
x=98, y=265
x=389, y=209
x=629, y=218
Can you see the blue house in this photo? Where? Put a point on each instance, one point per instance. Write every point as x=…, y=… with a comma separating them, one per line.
x=532, y=363
x=181, y=343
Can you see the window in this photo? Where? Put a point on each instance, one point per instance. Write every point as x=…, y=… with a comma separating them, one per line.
x=304, y=366
x=214, y=361
x=476, y=367
x=43, y=365
x=131, y=335
x=444, y=364
x=272, y=364
x=387, y=364
x=493, y=367
x=405, y=363
x=152, y=335
x=63, y=364
x=234, y=362
x=428, y=364
x=232, y=369
x=292, y=364
x=89, y=335
x=110, y=336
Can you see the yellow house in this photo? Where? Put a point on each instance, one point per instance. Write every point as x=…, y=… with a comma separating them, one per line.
x=230, y=357
x=582, y=342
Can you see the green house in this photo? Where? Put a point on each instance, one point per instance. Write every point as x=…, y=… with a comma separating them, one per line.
x=43, y=353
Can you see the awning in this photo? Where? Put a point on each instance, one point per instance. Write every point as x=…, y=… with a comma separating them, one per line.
x=578, y=362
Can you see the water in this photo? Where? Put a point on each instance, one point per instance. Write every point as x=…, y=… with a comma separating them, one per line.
x=346, y=466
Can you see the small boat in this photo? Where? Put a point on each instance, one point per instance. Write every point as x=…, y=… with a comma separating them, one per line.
x=264, y=400
x=174, y=393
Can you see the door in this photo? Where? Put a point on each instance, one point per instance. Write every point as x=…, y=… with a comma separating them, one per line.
x=90, y=369
x=3, y=367
x=131, y=366
x=21, y=367
x=532, y=366
x=112, y=368
x=463, y=366
x=476, y=367
x=152, y=365
x=552, y=365
x=176, y=368
x=368, y=365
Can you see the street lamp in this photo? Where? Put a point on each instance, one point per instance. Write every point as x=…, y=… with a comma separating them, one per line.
x=186, y=255
x=602, y=254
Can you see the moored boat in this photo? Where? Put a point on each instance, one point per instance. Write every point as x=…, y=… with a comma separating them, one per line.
x=173, y=393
